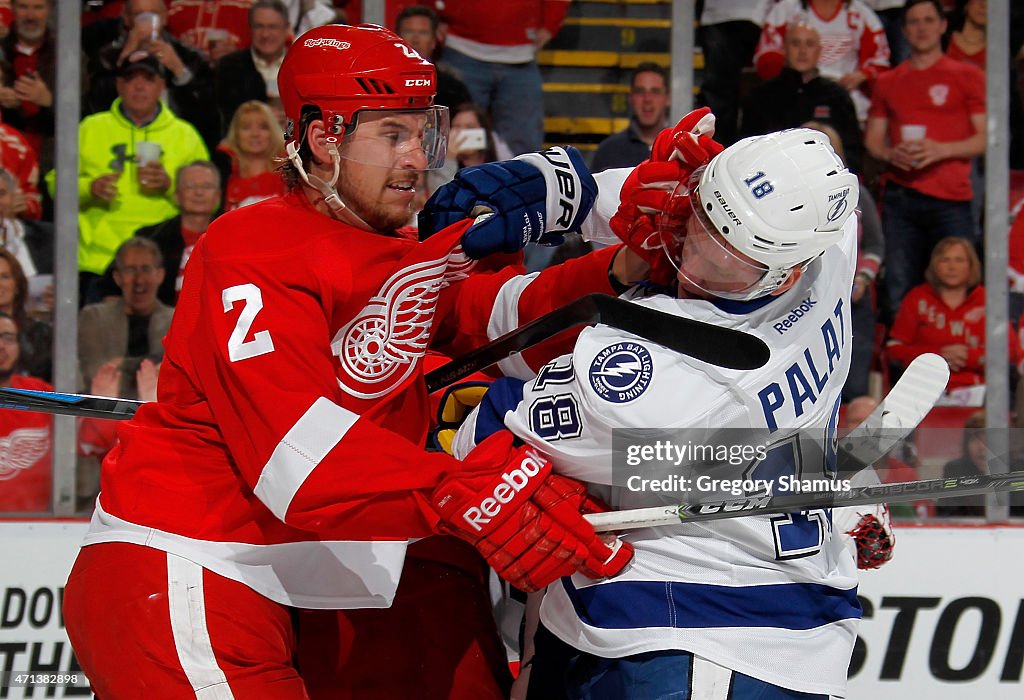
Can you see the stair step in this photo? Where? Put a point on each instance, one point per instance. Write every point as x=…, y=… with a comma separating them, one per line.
x=610, y=59
x=584, y=125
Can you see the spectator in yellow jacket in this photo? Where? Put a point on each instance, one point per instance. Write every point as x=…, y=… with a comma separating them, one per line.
x=125, y=157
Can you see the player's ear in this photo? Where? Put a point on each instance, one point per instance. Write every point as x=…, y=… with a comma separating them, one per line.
x=316, y=137
x=794, y=275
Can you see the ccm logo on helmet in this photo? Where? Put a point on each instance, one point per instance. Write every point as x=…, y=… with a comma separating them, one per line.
x=512, y=482
x=333, y=43
x=417, y=82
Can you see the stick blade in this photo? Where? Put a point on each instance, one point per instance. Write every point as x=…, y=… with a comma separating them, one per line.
x=899, y=413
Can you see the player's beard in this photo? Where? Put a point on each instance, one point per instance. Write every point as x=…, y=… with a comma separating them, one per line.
x=368, y=202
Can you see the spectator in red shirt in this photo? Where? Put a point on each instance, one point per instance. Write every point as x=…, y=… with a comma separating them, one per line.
x=927, y=121
x=247, y=156
x=946, y=315
x=25, y=437
x=495, y=54
x=27, y=95
x=19, y=159
x=5, y=18
x=968, y=42
x=214, y=28
x=855, y=50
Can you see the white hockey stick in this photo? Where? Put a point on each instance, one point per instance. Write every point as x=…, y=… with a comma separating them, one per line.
x=897, y=415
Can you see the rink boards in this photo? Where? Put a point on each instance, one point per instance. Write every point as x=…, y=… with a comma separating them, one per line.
x=945, y=619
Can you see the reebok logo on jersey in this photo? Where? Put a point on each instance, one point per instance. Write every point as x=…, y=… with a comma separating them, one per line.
x=512, y=482
x=794, y=315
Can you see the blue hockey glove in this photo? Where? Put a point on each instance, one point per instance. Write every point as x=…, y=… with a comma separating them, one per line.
x=532, y=198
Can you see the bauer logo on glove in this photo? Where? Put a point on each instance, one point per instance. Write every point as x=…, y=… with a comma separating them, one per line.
x=530, y=199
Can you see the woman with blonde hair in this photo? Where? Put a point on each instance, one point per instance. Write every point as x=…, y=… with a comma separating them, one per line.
x=946, y=315
x=247, y=156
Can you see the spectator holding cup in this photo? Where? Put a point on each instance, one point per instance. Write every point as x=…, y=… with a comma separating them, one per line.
x=927, y=120
x=126, y=154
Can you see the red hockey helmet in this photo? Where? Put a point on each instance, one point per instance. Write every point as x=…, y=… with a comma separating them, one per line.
x=341, y=69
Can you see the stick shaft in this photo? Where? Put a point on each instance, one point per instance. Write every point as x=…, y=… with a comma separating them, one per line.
x=906, y=405
x=786, y=503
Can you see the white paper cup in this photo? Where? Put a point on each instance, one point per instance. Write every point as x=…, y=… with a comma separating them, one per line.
x=913, y=132
x=147, y=152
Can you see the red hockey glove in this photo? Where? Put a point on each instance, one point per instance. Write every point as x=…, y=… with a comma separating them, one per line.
x=525, y=520
x=646, y=200
x=872, y=534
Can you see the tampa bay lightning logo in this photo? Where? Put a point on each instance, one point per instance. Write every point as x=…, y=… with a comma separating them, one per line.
x=621, y=372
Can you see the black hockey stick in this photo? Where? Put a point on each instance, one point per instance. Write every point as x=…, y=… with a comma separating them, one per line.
x=906, y=405
x=723, y=347
x=68, y=404
x=796, y=502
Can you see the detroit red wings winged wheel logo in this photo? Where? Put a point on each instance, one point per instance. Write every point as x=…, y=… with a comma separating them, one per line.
x=21, y=450
x=379, y=348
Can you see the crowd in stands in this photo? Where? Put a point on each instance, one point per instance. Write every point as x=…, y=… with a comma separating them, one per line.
x=182, y=120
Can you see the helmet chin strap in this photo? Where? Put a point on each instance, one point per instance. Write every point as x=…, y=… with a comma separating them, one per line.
x=332, y=198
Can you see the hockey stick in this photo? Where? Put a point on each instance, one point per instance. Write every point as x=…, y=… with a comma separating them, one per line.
x=796, y=502
x=723, y=347
x=906, y=405
x=68, y=404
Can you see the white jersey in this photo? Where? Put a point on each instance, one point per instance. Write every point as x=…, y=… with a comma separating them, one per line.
x=773, y=597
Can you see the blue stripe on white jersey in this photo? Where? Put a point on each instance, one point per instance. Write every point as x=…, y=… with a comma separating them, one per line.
x=631, y=604
x=771, y=597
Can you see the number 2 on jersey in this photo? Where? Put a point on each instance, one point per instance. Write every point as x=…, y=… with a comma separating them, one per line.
x=238, y=347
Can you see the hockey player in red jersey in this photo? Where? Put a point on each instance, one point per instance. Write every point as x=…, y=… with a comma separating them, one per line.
x=282, y=467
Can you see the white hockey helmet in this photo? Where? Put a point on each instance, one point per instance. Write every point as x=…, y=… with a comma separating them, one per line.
x=780, y=199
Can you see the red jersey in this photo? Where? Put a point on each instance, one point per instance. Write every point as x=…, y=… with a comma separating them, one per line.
x=19, y=159
x=853, y=38
x=25, y=439
x=242, y=191
x=942, y=97
x=191, y=21
x=286, y=448
x=977, y=58
x=925, y=324
x=505, y=32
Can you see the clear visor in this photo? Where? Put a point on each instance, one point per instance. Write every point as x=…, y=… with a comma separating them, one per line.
x=706, y=263
x=407, y=140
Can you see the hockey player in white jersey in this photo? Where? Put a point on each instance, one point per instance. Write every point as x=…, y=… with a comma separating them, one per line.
x=756, y=607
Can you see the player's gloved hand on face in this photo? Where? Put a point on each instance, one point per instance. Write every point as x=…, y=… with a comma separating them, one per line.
x=523, y=519
x=533, y=198
x=871, y=530
x=649, y=199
